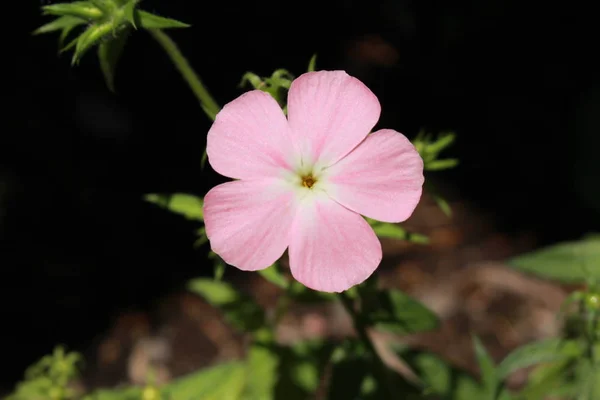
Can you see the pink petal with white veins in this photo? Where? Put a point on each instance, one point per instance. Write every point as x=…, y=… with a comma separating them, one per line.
x=381, y=179
x=250, y=138
x=331, y=248
x=248, y=222
x=330, y=112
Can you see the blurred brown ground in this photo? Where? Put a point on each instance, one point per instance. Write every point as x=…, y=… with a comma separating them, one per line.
x=459, y=275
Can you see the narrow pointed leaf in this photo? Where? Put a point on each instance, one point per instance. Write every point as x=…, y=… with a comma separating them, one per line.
x=438, y=165
x=543, y=351
x=129, y=11
x=188, y=205
x=204, y=158
x=239, y=309
x=109, y=53
x=152, y=21
x=262, y=373
x=223, y=381
x=273, y=274
x=70, y=45
x=64, y=22
x=63, y=36
x=101, y=4
x=312, y=63
x=568, y=262
x=393, y=310
x=487, y=368
x=82, y=9
x=90, y=37
x=443, y=141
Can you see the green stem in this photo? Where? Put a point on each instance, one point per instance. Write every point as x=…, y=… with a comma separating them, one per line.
x=208, y=104
x=361, y=329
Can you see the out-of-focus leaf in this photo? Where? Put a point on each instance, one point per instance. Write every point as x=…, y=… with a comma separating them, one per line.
x=301, y=293
x=152, y=21
x=66, y=21
x=273, y=274
x=353, y=376
x=312, y=63
x=239, y=309
x=104, y=5
x=543, y=351
x=81, y=9
x=262, y=373
x=395, y=311
x=188, y=205
x=437, y=165
x=568, y=262
x=443, y=141
x=440, y=378
x=220, y=270
x=487, y=368
x=225, y=381
x=547, y=380
x=109, y=53
x=439, y=200
x=129, y=11
x=129, y=393
x=394, y=231
x=90, y=37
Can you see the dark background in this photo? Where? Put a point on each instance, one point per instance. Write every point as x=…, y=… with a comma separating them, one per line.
x=517, y=82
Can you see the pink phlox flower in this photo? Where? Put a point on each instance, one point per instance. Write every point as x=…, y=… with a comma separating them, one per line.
x=302, y=182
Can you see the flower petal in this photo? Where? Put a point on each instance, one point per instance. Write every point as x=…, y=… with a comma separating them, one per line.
x=248, y=222
x=250, y=138
x=382, y=178
x=330, y=112
x=331, y=248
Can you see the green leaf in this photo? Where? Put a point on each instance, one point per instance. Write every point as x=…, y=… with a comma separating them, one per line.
x=262, y=375
x=90, y=37
x=487, y=368
x=109, y=53
x=439, y=200
x=61, y=23
x=354, y=376
x=129, y=393
x=440, y=378
x=548, y=379
x=443, y=205
x=225, y=381
x=437, y=165
x=302, y=294
x=394, y=231
x=152, y=21
x=569, y=262
x=543, y=351
x=273, y=274
x=104, y=5
x=188, y=205
x=254, y=80
x=204, y=155
x=395, y=311
x=312, y=63
x=129, y=12
x=591, y=385
x=219, y=270
x=239, y=309
x=81, y=9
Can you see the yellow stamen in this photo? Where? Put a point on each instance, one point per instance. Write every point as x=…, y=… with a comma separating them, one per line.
x=308, y=181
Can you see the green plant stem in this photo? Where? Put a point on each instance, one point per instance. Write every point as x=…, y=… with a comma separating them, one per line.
x=208, y=104
x=361, y=329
